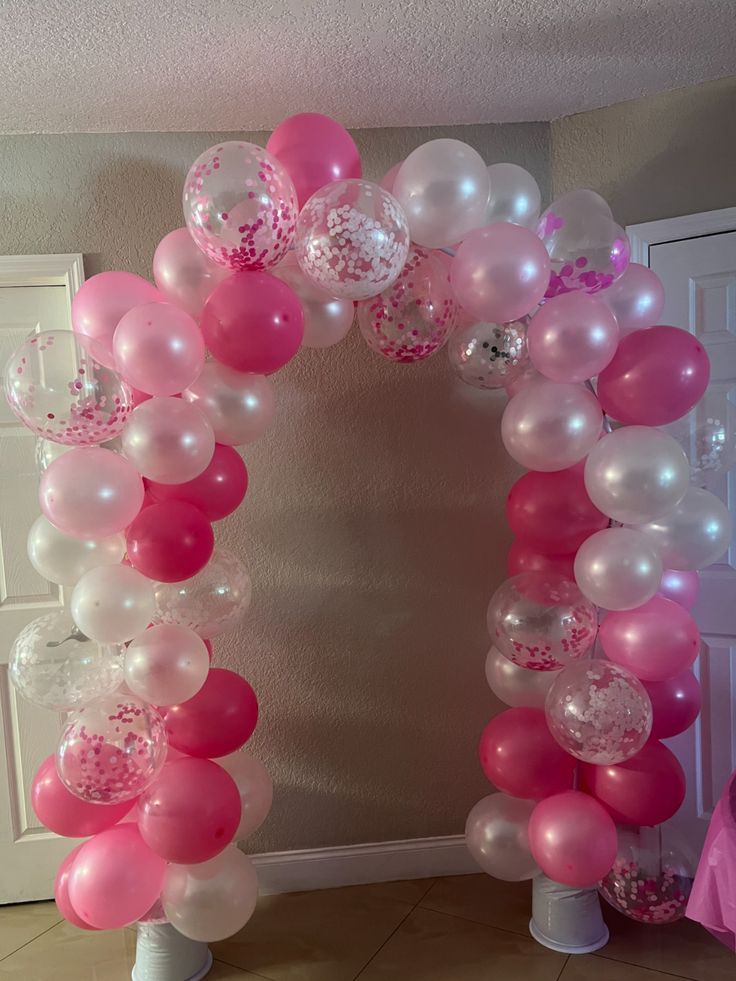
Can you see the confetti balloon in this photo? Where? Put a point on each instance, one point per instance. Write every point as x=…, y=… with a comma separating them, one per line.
x=240, y=206
x=540, y=620
x=327, y=319
x=414, y=317
x=707, y=434
x=515, y=686
x=487, y=355
x=63, y=559
x=352, y=239
x=54, y=665
x=515, y=196
x=598, y=712
x=496, y=836
x=111, y=749
x=60, y=392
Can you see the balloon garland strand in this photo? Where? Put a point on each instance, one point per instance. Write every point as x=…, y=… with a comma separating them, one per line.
x=137, y=435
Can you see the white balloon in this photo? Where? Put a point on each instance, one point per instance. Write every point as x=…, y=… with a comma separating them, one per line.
x=63, y=559
x=694, y=534
x=112, y=604
x=256, y=790
x=515, y=196
x=516, y=686
x=618, y=568
x=166, y=664
x=239, y=406
x=496, y=833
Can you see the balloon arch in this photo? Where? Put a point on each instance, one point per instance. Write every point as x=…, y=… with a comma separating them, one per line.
x=137, y=428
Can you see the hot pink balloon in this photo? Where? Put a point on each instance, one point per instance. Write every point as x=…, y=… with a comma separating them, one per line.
x=101, y=302
x=655, y=641
x=655, y=377
x=115, y=878
x=216, y=492
x=636, y=299
x=681, y=586
x=66, y=814
x=61, y=891
x=218, y=720
x=316, y=150
x=573, y=337
x=90, y=492
x=191, y=812
x=169, y=542
x=500, y=272
x=572, y=839
x=253, y=322
x=158, y=348
x=525, y=558
x=183, y=273
x=675, y=704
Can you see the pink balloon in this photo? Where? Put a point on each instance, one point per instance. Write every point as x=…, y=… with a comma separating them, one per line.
x=168, y=440
x=636, y=299
x=100, y=303
x=655, y=641
x=158, y=348
x=681, y=586
x=253, y=322
x=388, y=179
x=61, y=891
x=675, y=704
x=573, y=839
x=525, y=558
x=191, y=812
x=519, y=755
x=316, y=150
x=217, y=491
x=90, y=492
x=169, y=542
x=66, y=814
x=500, y=272
x=183, y=273
x=573, y=337
x=655, y=377
x=218, y=720
x=115, y=878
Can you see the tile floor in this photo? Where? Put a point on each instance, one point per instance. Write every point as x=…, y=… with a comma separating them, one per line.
x=462, y=928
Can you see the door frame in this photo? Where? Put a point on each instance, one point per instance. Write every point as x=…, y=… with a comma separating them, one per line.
x=65, y=269
x=645, y=234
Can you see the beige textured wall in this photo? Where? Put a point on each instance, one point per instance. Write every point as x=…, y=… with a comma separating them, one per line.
x=373, y=526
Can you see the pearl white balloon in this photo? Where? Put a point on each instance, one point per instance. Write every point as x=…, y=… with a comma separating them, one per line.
x=496, y=833
x=516, y=686
x=694, y=534
x=239, y=406
x=168, y=440
x=618, y=568
x=515, y=195
x=63, y=559
x=636, y=474
x=112, y=604
x=256, y=790
x=167, y=664
x=327, y=319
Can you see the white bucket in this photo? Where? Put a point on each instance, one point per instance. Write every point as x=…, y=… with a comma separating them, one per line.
x=164, y=954
x=566, y=919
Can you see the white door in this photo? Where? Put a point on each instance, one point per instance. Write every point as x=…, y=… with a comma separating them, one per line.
x=699, y=277
x=29, y=854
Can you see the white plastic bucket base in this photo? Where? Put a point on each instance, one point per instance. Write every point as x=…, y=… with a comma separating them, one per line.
x=566, y=919
x=164, y=954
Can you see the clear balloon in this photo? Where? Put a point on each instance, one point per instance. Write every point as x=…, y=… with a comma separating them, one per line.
x=60, y=392
x=214, y=900
x=444, y=187
x=255, y=787
x=90, y=493
x=100, y=303
x=170, y=541
x=694, y=534
x=547, y=426
x=655, y=641
x=209, y=603
x=183, y=273
x=588, y=250
x=112, y=604
x=636, y=474
x=327, y=319
x=47, y=451
x=66, y=814
x=572, y=337
x=166, y=664
x=168, y=440
x=496, y=834
x=53, y=665
x=707, y=434
x=541, y=621
x=525, y=558
x=487, y=355
x=618, y=568
x=598, y=712
x=218, y=720
x=573, y=839
x=515, y=196
x=352, y=239
x=500, y=272
x=675, y=702
x=239, y=406
x=413, y=318
x=636, y=299
x=681, y=586
x=216, y=492
x=515, y=686
x=61, y=891
x=158, y=348
x=240, y=206
x=111, y=749
x=63, y=559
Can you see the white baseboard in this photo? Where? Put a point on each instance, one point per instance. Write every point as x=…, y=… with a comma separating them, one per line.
x=350, y=865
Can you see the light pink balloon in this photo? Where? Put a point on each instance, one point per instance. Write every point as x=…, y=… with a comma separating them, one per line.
x=572, y=839
x=548, y=426
x=183, y=273
x=389, y=178
x=99, y=305
x=168, y=440
x=636, y=299
x=572, y=337
x=158, y=348
x=256, y=790
x=90, y=492
x=681, y=586
x=500, y=272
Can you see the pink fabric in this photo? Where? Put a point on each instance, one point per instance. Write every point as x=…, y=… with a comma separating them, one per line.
x=713, y=899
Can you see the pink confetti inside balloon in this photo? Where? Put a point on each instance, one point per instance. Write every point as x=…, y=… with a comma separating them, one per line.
x=112, y=749
x=413, y=318
x=60, y=392
x=240, y=206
